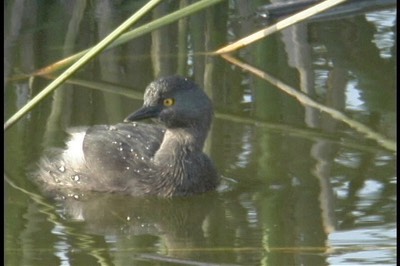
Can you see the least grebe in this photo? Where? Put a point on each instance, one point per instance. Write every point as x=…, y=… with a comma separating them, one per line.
x=164, y=159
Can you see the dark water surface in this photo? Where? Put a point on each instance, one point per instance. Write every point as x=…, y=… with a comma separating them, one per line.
x=300, y=187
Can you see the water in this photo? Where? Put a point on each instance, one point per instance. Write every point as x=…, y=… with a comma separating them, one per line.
x=300, y=188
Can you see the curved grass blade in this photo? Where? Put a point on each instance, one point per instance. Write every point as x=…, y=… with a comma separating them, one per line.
x=170, y=18
x=278, y=26
x=82, y=61
x=305, y=100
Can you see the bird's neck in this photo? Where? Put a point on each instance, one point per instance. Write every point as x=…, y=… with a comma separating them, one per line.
x=180, y=142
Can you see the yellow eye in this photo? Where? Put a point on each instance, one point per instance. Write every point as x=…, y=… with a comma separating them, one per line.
x=169, y=102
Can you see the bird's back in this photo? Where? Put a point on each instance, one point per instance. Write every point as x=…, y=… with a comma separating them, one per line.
x=142, y=159
x=102, y=157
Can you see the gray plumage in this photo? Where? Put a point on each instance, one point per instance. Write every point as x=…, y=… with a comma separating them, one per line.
x=141, y=159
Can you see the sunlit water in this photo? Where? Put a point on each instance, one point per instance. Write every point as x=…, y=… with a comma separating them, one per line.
x=299, y=187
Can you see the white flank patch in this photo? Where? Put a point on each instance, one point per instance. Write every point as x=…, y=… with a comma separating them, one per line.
x=74, y=152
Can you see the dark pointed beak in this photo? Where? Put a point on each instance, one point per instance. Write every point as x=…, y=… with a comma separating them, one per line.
x=143, y=113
